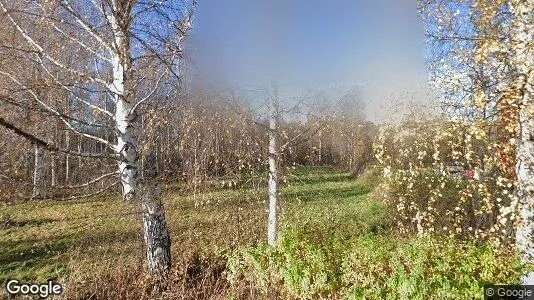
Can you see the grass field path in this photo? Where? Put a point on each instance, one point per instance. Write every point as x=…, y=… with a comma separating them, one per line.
x=48, y=239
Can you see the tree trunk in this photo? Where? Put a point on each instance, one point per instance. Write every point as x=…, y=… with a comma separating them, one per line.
x=67, y=162
x=80, y=161
x=523, y=29
x=53, y=169
x=53, y=166
x=273, y=168
x=127, y=151
x=320, y=148
x=127, y=144
x=156, y=235
x=38, y=172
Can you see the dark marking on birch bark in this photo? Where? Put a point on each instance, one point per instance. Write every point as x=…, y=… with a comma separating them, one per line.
x=156, y=234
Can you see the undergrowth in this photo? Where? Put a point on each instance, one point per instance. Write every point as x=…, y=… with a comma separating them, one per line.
x=336, y=241
x=370, y=267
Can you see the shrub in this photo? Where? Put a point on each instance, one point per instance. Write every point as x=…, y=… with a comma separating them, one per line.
x=293, y=269
x=426, y=198
x=371, y=267
x=424, y=268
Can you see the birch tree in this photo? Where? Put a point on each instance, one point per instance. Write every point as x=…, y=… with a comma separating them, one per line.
x=120, y=39
x=38, y=172
x=117, y=41
x=281, y=140
x=522, y=43
x=273, y=165
x=492, y=41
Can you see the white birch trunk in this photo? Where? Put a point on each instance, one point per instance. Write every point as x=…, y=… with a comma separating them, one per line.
x=53, y=167
x=67, y=162
x=127, y=144
x=273, y=168
x=127, y=150
x=320, y=148
x=38, y=172
x=155, y=232
x=523, y=30
x=53, y=180
x=80, y=161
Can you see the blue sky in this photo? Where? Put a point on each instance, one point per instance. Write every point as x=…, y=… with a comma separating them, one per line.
x=339, y=37
x=333, y=42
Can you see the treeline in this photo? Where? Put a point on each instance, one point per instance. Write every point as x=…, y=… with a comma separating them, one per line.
x=197, y=137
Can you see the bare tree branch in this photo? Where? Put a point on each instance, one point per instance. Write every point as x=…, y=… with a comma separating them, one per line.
x=48, y=146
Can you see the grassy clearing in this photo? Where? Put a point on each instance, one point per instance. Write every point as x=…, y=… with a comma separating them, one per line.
x=53, y=239
x=335, y=242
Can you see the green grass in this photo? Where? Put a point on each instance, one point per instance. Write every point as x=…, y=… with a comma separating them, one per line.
x=50, y=239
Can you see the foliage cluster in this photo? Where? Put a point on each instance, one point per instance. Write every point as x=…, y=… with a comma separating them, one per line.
x=426, y=196
x=370, y=267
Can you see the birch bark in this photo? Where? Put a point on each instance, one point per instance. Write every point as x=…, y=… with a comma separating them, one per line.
x=273, y=167
x=155, y=233
x=38, y=172
x=67, y=161
x=523, y=30
x=123, y=89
